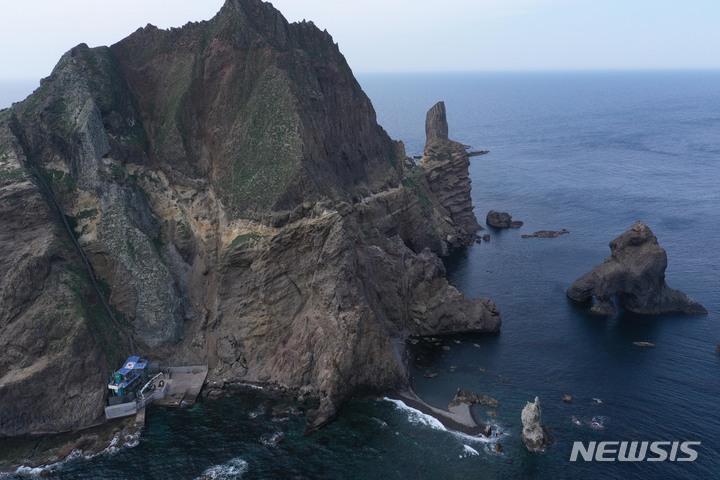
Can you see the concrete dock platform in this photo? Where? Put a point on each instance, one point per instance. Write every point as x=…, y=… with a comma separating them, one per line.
x=140, y=417
x=183, y=385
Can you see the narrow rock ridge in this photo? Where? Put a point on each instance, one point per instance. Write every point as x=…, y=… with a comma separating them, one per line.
x=635, y=274
x=239, y=206
x=446, y=166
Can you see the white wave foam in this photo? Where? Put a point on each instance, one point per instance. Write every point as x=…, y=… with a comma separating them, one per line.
x=24, y=472
x=468, y=450
x=253, y=386
x=598, y=422
x=416, y=416
x=118, y=442
x=488, y=443
x=272, y=439
x=231, y=470
x=382, y=423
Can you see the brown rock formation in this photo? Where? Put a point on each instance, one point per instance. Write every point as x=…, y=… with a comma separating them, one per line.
x=446, y=164
x=501, y=220
x=237, y=204
x=635, y=274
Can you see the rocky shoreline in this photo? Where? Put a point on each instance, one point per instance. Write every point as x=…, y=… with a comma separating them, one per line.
x=44, y=451
x=458, y=417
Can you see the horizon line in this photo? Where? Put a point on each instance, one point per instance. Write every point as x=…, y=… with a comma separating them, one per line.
x=507, y=70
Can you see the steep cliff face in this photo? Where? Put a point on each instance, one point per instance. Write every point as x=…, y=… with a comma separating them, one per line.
x=237, y=204
x=54, y=339
x=446, y=164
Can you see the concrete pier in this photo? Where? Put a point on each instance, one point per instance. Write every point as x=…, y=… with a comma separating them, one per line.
x=174, y=387
x=183, y=385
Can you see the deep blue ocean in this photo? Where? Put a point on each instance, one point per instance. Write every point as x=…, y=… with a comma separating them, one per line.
x=589, y=152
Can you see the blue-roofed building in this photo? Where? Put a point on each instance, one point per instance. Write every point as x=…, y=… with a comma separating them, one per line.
x=129, y=377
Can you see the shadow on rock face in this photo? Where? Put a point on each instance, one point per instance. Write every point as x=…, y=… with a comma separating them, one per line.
x=634, y=273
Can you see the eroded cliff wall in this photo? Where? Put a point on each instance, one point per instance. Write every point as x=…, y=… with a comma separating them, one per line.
x=237, y=204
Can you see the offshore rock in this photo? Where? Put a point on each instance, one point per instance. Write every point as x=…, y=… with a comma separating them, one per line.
x=546, y=234
x=501, y=220
x=225, y=187
x=635, y=274
x=446, y=165
x=534, y=435
x=472, y=398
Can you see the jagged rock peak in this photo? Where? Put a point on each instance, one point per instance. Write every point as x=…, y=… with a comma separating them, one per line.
x=534, y=435
x=446, y=164
x=635, y=274
x=436, y=125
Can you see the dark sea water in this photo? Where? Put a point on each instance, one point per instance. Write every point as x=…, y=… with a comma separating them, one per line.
x=589, y=152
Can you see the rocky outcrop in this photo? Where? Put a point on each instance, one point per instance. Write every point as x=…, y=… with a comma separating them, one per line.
x=635, y=274
x=534, y=435
x=472, y=398
x=501, y=220
x=236, y=204
x=546, y=234
x=445, y=164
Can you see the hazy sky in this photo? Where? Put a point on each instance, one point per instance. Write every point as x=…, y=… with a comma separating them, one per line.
x=405, y=35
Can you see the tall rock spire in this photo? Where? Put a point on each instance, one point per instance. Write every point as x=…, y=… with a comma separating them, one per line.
x=446, y=165
x=436, y=125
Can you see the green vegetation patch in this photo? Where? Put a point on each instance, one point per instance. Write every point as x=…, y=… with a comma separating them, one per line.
x=87, y=214
x=59, y=180
x=266, y=155
x=246, y=238
x=411, y=185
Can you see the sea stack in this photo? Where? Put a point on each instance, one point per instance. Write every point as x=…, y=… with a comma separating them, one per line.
x=635, y=274
x=446, y=165
x=534, y=435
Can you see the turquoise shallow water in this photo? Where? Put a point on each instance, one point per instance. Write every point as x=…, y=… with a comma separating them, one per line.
x=591, y=153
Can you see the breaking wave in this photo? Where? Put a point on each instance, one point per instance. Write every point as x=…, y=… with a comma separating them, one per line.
x=416, y=416
x=231, y=470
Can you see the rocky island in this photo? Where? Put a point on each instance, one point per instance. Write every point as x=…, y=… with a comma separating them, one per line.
x=219, y=193
x=635, y=274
